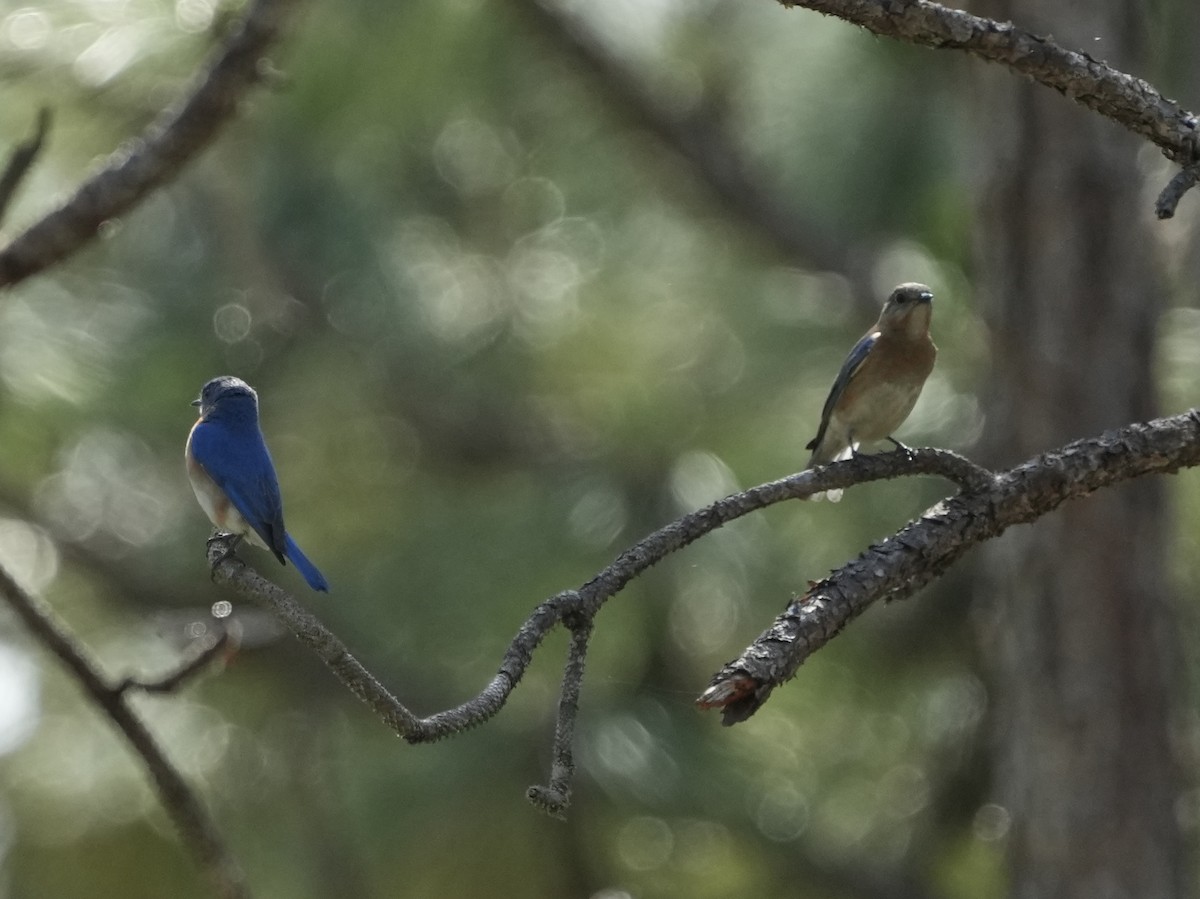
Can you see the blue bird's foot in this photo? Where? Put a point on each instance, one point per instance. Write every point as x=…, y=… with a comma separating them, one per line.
x=230, y=541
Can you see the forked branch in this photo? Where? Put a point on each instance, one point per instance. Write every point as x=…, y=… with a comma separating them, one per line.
x=195, y=827
x=984, y=507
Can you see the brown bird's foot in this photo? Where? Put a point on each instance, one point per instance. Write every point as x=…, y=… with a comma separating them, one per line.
x=900, y=446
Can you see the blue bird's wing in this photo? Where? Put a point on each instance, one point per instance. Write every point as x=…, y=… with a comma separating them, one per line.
x=854, y=361
x=238, y=462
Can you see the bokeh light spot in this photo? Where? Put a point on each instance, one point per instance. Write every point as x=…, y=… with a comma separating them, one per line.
x=706, y=611
x=194, y=16
x=28, y=554
x=782, y=814
x=645, y=843
x=27, y=28
x=110, y=54
x=992, y=822
x=598, y=518
x=19, y=689
x=232, y=322
x=109, y=485
x=471, y=157
x=700, y=478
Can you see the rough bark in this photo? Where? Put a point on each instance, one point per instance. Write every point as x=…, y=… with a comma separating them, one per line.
x=1076, y=617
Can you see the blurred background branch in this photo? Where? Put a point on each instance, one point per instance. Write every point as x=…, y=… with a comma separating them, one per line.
x=202, y=653
x=21, y=159
x=704, y=137
x=196, y=829
x=144, y=164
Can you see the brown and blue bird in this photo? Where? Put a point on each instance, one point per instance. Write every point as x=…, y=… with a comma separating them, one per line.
x=881, y=379
x=233, y=476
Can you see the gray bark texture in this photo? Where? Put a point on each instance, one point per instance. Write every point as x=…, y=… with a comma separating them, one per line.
x=1075, y=614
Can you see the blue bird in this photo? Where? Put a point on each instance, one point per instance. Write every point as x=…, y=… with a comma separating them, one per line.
x=880, y=380
x=233, y=476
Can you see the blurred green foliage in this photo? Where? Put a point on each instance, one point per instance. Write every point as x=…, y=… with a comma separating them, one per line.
x=499, y=333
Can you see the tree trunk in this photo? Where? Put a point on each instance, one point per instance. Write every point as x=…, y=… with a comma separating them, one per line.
x=1076, y=620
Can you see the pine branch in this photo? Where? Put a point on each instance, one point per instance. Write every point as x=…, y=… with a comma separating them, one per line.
x=919, y=553
x=986, y=505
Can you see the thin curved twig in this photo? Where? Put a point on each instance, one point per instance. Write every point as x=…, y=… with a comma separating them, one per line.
x=168, y=144
x=555, y=797
x=195, y=827
x=203, y=652
x=1185, y=179
x=230, y=571
x=577, y=608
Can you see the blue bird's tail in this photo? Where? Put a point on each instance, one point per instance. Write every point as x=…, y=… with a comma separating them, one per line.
x=315, y=579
